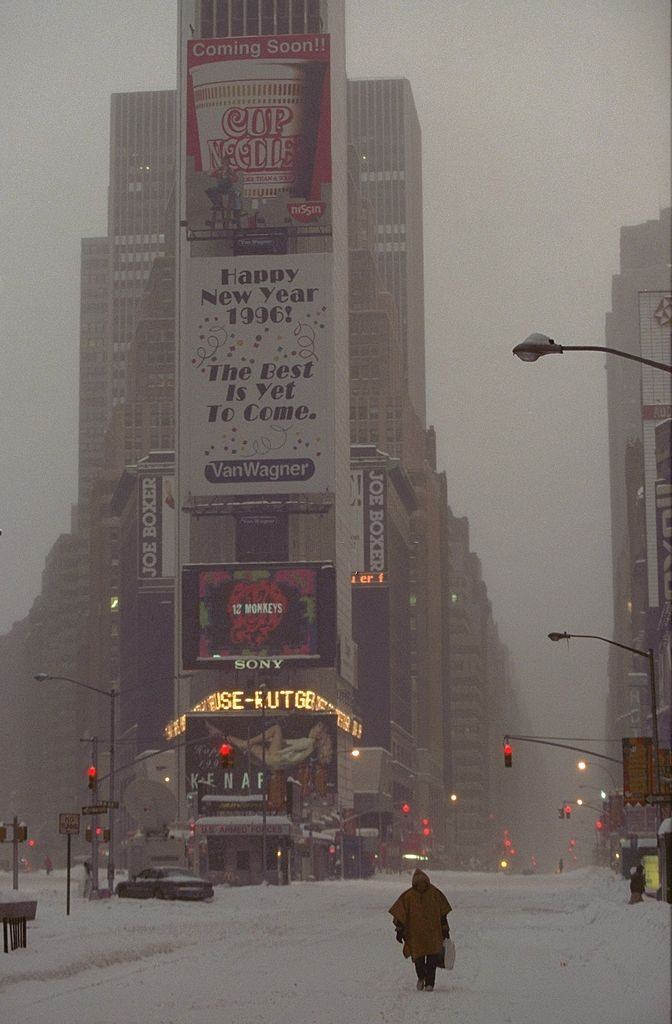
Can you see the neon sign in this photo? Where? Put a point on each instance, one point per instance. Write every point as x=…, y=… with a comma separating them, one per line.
x=268, y=700
x=368, y=579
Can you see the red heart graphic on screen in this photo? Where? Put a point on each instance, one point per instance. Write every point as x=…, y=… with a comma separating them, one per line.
x=255, y=610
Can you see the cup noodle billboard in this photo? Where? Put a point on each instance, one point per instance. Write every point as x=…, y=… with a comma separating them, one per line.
x=258, y=121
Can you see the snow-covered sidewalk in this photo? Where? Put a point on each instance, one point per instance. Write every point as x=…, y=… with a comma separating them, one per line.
x=531, y=950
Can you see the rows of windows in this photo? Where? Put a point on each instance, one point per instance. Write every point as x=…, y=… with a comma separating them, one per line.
x=221, y=18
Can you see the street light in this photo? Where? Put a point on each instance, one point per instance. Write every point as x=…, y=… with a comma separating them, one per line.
x=537, y=345
x=112, y=694
x=648, y=654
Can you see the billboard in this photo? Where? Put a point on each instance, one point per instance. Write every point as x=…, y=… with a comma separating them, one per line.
x=156, y=527
x=244, y=610
x=368, y=492
x=300, y=745
x=637, y=769
x=257, y=376
x=258, y=139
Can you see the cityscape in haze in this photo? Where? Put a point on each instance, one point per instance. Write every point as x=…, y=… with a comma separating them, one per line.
x=288, y=531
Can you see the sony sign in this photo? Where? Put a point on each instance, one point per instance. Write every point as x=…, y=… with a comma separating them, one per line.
x=254, y=663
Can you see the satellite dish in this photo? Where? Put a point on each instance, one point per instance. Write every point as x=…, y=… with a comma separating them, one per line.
x=150, y=804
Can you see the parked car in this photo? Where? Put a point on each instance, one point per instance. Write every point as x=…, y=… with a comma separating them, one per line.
x=167, y=883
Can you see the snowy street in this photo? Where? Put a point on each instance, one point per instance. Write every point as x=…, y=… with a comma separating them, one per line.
x=551, y=949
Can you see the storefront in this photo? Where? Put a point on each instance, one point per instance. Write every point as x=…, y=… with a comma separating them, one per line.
x=228, y=850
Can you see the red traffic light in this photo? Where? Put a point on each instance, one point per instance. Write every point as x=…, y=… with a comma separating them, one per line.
x=599, y=824
x=226, y=755
x=405, y=808
x=508, y=752
x=426, y=831
x=93, y=776
x=568, y=810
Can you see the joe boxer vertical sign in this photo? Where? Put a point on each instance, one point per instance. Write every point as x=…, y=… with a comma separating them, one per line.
x=257, y=376
x=368, y=492
x=156, y=527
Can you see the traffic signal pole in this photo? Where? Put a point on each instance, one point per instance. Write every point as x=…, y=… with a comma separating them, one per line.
x=94, y=824
x=15, y=853
x=565, y=746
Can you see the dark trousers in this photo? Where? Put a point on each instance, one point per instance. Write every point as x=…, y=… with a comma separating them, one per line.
x=425, y=968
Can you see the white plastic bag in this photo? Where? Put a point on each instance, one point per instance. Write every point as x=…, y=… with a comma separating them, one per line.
x=449, y=954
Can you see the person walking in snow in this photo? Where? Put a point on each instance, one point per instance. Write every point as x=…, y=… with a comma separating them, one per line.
x=420, y=917
x=637, y=885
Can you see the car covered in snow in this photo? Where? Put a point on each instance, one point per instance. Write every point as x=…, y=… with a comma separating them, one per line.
x=166, y=883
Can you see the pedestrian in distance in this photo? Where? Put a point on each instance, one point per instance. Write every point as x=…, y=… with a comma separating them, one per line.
x=637, y=884
x=48, y=865
x=420, y=917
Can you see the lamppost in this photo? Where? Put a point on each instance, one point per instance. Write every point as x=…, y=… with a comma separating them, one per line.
x=454, y=801
x=263, y=688
x=112, y=694
x=648, y=654
x=537, y=345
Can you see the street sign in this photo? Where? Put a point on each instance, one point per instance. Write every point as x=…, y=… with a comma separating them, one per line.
x=95, y=809
x=109, y=803
x=68, y=824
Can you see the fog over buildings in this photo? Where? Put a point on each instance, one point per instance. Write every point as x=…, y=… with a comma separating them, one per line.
x=545, y=129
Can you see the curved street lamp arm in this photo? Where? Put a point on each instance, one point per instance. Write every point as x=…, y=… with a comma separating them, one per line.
x=616, y=352
x=606, y=640
x=77, y=682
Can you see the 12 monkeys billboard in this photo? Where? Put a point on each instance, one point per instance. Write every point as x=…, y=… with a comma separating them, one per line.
x=258, y=135
x=257, y=376
x=283, y=610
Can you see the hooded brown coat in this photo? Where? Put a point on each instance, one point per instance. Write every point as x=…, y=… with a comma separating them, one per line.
x=419, y=910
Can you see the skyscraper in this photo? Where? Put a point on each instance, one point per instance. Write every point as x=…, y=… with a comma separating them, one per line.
x=142, y=181
x=383, y=127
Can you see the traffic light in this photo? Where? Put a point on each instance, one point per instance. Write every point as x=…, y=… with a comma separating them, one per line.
x=508, y=752
x=426, y=828
x=88, y=834
x=22, y=833
x=226, y=756
x=3, y=833
x=561, y=812
x=568, y=810
x=599, y=824
x=92, y=773
x=106, y=835
x=405, y=809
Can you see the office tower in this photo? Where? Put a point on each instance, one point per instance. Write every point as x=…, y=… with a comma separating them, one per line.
x=643, y=281
x=142, y=180
x=383, y=127
x=94, y=361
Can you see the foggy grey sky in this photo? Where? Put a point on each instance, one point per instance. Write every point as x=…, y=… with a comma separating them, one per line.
x=546, y=128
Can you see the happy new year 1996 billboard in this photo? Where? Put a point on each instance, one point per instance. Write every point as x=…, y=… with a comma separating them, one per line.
x=280, y=610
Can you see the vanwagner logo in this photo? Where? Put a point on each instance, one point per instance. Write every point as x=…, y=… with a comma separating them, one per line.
x=258, y=471
x=306, y=211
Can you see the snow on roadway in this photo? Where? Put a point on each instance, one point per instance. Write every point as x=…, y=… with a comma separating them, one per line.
x=541, y=949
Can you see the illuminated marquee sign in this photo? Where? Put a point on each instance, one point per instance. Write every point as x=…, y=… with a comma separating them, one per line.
x=270, y=700
x=247, y=612
x=368, y=579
